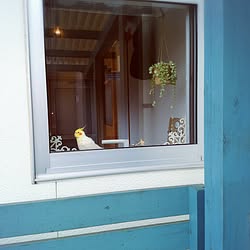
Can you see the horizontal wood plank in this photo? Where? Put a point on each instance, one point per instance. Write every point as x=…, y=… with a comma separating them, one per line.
x=73, y=213
x=75, y=34
x=75, y=53
x=66, y=68
x=167, y=237
x=68, y=53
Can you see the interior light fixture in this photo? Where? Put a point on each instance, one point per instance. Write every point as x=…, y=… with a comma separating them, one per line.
x=58, y=31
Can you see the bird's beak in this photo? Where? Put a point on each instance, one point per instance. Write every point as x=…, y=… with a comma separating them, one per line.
x=78, y=133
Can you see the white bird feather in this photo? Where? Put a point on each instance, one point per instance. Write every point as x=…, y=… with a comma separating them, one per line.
x=83, y=141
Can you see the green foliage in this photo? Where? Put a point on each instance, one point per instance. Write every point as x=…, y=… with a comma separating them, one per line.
x=163, y=73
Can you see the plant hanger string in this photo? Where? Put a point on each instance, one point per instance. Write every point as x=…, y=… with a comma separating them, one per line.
x=163, y=44
x=164, y=71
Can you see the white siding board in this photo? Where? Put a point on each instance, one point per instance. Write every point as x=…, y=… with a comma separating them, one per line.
x=128, y=182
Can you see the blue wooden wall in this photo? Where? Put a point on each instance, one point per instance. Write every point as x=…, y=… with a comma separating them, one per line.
x=227, y=124
x=76, y=213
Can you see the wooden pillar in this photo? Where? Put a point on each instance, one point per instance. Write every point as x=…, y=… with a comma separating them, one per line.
x=227, y=124
x=196, y=211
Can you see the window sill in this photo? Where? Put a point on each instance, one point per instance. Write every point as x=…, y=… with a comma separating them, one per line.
x=57, y=174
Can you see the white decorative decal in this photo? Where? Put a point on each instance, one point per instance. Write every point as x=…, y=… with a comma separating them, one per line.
x=56, y=144
x=176, y=133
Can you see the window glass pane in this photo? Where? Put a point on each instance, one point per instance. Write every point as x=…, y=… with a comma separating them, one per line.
x=123, y=71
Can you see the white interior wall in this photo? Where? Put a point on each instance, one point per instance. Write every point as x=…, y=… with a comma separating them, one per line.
x=156, y=119
x=16, y=164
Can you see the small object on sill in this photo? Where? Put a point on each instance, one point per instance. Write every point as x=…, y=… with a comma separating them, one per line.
x=139, y=143
x=123, y=142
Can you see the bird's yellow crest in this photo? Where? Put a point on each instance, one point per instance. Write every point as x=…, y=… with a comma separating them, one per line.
x=79, y=132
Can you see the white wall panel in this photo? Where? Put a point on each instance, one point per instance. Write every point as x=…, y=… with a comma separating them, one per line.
x=127, y=182
x=15, y=130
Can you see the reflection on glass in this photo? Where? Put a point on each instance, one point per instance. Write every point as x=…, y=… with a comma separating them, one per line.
x=97, y=67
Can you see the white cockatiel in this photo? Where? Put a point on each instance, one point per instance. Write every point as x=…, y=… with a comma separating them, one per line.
x=84, y=142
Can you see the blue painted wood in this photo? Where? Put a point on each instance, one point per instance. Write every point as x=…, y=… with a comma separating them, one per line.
x=213, y=102
x=227, y=124
x=197, y=219
x=236, y=119
x=167, y=237
x=56, y=215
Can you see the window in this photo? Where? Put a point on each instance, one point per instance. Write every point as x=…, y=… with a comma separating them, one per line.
x=97, y=66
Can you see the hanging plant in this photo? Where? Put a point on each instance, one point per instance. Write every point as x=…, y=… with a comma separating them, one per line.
x=163, y=72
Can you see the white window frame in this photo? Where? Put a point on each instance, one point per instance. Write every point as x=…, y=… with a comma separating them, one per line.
x=55, y=166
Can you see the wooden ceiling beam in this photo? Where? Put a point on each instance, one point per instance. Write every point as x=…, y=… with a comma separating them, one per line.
x=69, y=76
x=65, y=68
x=68, y=53
x=74, y=53
x=112, y=22
x=74, y=34
x=101, y=7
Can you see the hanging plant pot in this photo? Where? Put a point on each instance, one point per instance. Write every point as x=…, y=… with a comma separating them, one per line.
x=157, y=81
x=163, y=74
